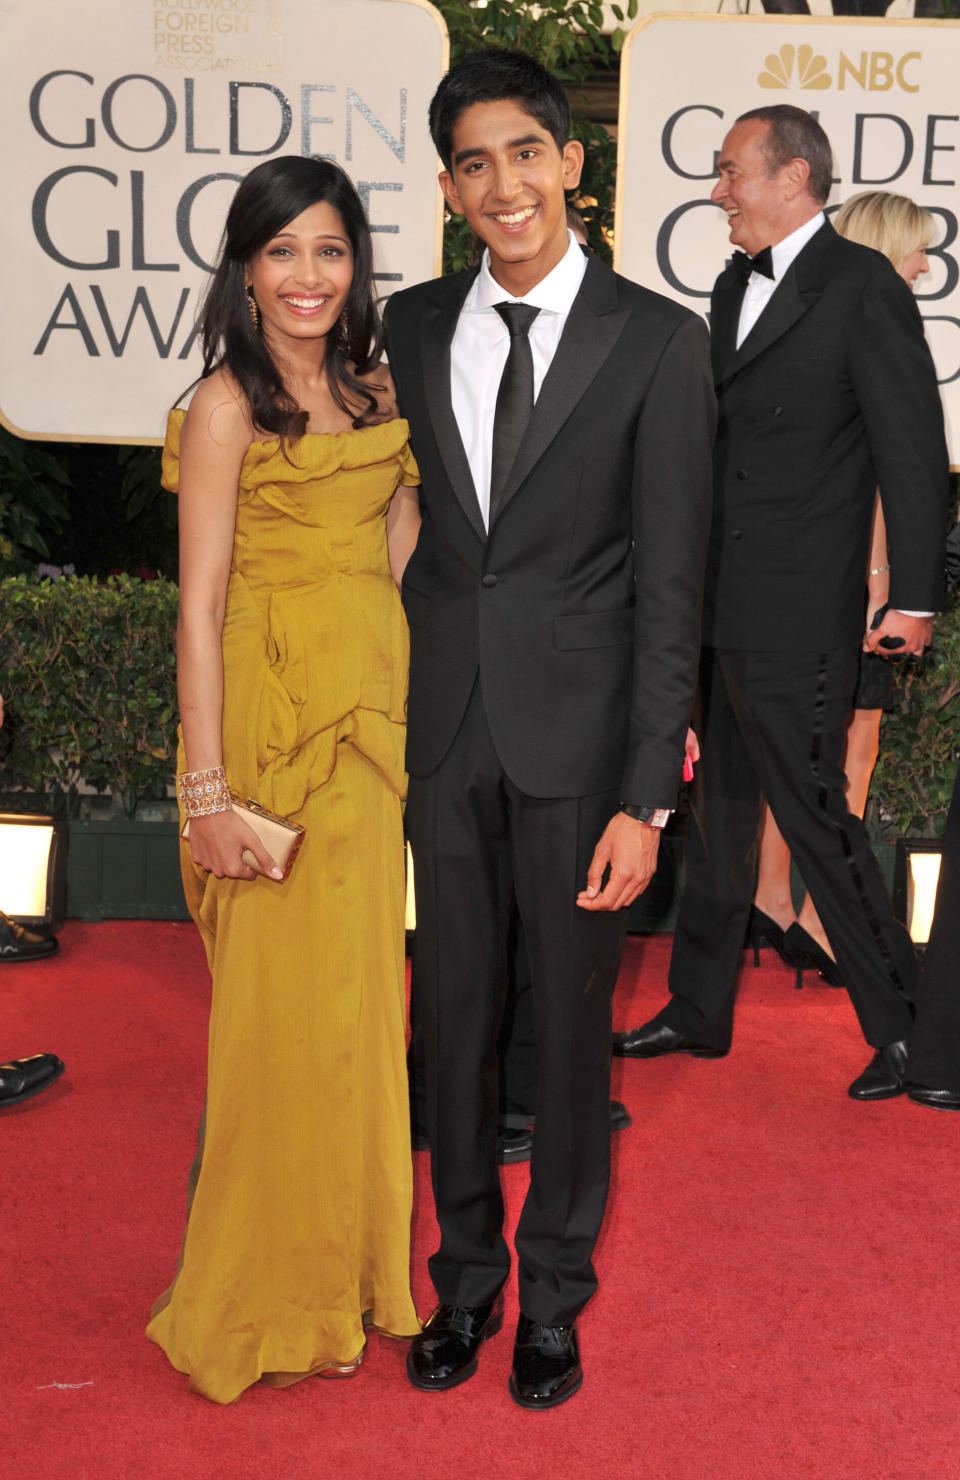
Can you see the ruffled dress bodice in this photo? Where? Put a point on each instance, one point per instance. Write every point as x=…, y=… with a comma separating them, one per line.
x=313, y=629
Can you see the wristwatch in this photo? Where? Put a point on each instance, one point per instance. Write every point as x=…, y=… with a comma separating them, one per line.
x=652, y=816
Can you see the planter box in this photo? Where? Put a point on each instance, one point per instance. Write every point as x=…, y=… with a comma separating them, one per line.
x=129, y=869
x=124, y=869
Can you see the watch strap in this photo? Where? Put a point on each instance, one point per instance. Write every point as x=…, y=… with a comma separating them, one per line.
x=652, y=816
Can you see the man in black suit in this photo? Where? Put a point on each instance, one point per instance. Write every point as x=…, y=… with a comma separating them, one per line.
x=562, y=419
x=826, y=390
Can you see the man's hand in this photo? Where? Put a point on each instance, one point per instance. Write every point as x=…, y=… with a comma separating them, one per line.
x=630, y=848
x=915, y=632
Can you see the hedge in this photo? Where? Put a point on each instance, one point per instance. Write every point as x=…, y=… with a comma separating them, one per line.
x=89, y=674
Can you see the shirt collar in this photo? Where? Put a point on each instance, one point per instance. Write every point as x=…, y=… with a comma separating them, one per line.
x=784, y=252
x=555, y=292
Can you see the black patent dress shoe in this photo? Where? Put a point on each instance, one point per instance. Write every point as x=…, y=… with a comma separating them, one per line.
x=546, y=1365
x=17, y=943
x=21, y=1078
x=885, y=1076
x=444, y=1353
x=652, y=1039
x=937, y=1099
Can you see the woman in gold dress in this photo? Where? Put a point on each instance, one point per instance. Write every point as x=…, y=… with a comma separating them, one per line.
x=297, y=513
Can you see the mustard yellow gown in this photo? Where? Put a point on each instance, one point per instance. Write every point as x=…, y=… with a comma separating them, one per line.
x=298, y=1227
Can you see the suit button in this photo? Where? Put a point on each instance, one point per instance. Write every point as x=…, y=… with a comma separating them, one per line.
x=778, y=410
x=491, y=580
x=736, y=534
x=742, y=474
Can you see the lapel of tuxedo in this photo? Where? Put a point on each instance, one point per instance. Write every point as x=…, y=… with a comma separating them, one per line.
x=594, y=324
x=436, y=333
x=724, y=316
x=800, y=289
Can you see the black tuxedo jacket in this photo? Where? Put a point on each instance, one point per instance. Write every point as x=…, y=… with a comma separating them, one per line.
x=832, y=394
x=580, y=609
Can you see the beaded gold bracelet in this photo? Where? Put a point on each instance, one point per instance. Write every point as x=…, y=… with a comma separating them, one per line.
x=203, y=792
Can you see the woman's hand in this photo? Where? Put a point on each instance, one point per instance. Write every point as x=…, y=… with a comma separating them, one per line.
x=218, y=843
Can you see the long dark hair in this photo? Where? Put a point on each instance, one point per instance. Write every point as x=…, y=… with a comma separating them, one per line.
x=267, y=200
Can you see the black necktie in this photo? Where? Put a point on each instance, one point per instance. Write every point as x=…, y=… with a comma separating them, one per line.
x=514, y=397
x=762, y=263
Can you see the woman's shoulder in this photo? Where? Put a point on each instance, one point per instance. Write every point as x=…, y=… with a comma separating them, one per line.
x=215, y=425
x=218, y=412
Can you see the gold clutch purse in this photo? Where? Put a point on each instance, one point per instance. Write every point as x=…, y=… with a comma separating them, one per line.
x=280, y=836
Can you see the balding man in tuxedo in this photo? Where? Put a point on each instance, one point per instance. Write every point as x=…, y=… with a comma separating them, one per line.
x=826, y=391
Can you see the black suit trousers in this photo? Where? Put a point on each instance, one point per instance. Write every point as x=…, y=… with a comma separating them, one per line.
x=935, y=1044
x=773, y=725
x=478, y=841
x=516, y=1044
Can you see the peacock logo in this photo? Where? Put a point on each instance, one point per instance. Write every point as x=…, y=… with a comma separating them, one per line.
x=811, y=70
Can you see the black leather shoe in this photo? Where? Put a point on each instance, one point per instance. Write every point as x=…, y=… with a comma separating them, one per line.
x=444, y=1353
x=21, y=1078
x=17, y=943
x=546, y=1365
x=937, y=1099
x=514, y=1144
x=885, y=1076
x=652, y=1039
x=515, y=1139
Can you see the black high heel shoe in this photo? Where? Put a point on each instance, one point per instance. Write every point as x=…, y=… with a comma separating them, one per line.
x=762, y=931
x=808, y=954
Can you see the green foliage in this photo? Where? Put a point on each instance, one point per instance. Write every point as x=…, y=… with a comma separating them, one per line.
x=566, y=36
x=140, y=487
x=920, y=739
x=32, y=480
x=88, y=673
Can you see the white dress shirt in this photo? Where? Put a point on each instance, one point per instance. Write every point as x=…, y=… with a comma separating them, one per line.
x=761, y=289
x=480, y=347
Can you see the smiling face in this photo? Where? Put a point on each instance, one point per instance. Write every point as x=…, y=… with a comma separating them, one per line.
x=760, y=207
x=914, y=265
x=508, y=178
x=301, y=277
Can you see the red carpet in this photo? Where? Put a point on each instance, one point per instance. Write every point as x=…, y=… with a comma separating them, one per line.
x=780, y=1267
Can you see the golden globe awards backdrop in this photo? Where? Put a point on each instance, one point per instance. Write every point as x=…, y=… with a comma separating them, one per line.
x=127, y=125
x=886, y=92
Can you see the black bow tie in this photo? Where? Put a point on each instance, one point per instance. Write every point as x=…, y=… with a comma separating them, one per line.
x=762, y=263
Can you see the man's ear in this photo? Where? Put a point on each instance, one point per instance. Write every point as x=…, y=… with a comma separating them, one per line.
x=796, y=175
x=572, y=163
x=450, y=193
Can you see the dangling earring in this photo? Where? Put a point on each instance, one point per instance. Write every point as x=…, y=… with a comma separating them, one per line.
x=343, y=332
x=254, y=310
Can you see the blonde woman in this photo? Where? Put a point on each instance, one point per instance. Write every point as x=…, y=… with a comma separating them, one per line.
x=902, y=231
